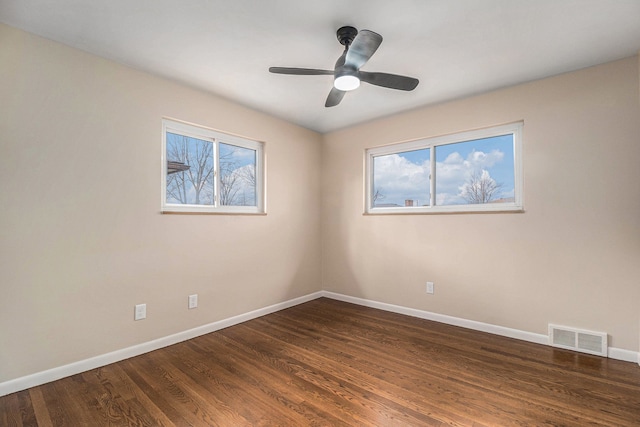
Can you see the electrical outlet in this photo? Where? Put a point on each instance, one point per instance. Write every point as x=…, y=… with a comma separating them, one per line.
x=193, y=301
x=141, y=312
x=429, y=287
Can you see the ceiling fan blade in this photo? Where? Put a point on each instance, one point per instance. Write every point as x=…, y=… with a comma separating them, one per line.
x=362, y=48
x=300, y=71
x=392, y=81
x=334, y=98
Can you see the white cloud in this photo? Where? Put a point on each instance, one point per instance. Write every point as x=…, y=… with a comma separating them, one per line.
x=480, y=160
x=399, y=179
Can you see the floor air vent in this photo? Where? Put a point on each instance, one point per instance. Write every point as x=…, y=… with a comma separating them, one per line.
x=578, y=340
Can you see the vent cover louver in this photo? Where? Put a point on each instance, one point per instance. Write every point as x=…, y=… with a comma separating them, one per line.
x=579, y=340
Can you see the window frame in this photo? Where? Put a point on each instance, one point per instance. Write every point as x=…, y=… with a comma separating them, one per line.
x=215, y=137
x=514, y=129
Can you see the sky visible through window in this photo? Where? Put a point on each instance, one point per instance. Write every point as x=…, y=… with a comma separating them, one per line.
x=402, y=179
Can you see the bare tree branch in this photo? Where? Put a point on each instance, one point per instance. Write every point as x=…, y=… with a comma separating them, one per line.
x=480, y=188
x=199, y=156
x=377, y=196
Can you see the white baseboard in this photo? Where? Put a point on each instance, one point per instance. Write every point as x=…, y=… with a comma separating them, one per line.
x=53, y=374
x=449, y=320
x=613, y=353
x=622, y=354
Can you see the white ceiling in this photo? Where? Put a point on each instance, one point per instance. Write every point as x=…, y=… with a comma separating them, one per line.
x=455, y=47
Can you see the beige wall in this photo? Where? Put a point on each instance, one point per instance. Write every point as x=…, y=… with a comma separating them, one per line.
x=81, y=237
x=573, y=258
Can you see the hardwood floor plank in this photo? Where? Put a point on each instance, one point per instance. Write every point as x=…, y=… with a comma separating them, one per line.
x=196, y=409
x=168, y=414
x=111, y=396
x=76, y=393
x=141, y=400
x=63, y=411
x=277, y=385
x=26, y=409
x=11, y=415
x=43, y=419
x=330, y=363
x=231, y=391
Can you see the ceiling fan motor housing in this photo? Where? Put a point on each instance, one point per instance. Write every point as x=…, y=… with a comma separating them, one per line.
x=346, y=35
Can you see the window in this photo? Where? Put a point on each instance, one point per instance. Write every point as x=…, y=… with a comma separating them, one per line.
x=209, y=171
x=475, y=171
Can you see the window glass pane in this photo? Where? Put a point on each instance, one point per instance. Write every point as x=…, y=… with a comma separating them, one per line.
x=401, y=179
x=237, y=175
x=189, y=170
x=473, y=172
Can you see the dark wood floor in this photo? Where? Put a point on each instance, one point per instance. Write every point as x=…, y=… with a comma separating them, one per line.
x=336, y=364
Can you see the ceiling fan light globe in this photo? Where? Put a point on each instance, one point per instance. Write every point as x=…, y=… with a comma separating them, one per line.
x=346, y=83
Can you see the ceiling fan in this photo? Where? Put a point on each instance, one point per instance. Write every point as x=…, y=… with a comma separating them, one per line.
x=358, y=48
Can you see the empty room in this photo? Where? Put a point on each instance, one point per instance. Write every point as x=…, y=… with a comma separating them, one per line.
x=329, y=213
